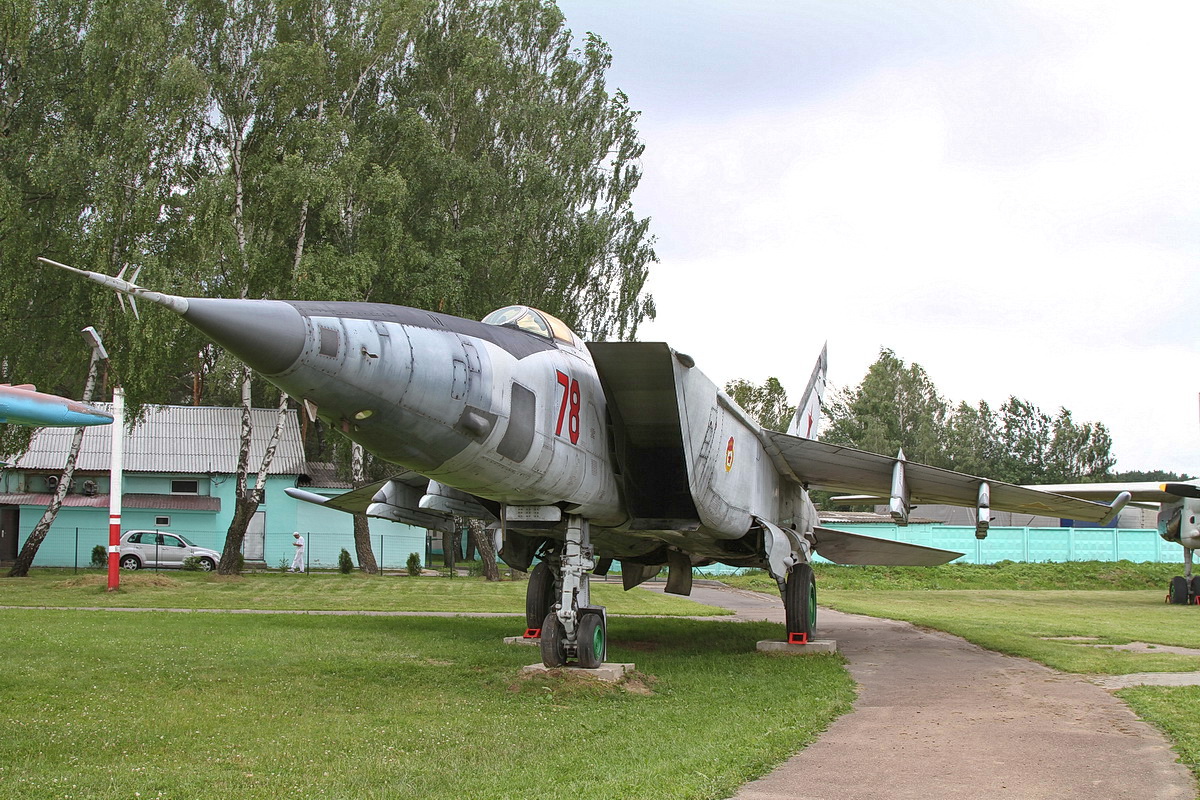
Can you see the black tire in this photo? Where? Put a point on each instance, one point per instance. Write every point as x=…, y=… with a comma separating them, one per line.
x=1179, y=591
x=1195, y=587
x=800, y=602
x=539, y=595
x=207, y=564
x=554, y=644
x=591, y=640
x=130, y=562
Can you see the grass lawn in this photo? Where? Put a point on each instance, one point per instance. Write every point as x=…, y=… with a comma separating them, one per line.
x=313, y=592
x=115, y=705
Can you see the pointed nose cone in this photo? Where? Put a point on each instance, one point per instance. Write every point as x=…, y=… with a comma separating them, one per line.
x=268, y=335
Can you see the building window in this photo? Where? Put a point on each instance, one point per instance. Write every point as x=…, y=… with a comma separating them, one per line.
x=162, y=522
x=185, y=487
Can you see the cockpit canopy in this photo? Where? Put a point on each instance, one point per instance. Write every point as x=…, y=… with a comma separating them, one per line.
x=532, y=321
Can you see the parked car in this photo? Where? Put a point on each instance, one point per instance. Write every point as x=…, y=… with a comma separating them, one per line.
x=162, y=549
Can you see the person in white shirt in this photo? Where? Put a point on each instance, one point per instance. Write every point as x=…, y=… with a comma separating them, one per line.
x=298, y=561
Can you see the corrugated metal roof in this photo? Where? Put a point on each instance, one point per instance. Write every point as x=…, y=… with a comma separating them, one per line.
x=187, y=439
x=322, y=475
x=159, y=502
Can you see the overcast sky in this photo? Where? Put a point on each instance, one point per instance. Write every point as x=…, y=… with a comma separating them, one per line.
x=1005, y=193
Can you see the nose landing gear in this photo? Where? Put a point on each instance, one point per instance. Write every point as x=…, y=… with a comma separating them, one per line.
x=573, y=629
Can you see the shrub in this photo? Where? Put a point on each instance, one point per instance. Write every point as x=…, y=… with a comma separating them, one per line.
x=345, y=563
x=99, y=556
x=191, y=563
x=414, y=564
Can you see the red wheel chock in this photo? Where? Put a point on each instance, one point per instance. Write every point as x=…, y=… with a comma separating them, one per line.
x=797, y=638
x=532, y=633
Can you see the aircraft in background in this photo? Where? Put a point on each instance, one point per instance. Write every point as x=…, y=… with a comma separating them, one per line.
x=24, y=405
x=1178, y=506
x=581, y=453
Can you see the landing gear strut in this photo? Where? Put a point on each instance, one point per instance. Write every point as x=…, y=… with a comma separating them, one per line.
x=572, y=629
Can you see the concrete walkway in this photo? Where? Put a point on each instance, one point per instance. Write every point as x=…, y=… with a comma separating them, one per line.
x=937, y=717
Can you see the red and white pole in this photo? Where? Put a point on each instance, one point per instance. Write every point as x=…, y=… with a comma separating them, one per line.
x=114, y=489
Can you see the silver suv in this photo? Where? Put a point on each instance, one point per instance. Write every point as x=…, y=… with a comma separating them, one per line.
x=161, y=549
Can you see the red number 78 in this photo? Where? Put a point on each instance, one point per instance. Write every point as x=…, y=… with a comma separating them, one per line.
x=570, y=398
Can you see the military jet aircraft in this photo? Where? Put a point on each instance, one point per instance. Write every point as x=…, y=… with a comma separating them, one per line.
x=1178, y=508
x=582, y=453
x=24, y=405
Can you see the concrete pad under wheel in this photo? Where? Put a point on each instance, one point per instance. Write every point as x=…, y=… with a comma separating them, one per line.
x=607, y=672
x=815, y=647
x=533, y=640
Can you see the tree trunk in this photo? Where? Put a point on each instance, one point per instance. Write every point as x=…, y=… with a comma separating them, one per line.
x=487, y=552
x=449, y=548
x=362, y=530
x=21, y=567
x=247, y=499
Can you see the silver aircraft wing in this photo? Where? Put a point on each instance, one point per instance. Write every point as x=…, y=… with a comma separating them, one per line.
x=841, y=547
x=1141, y=491
x=830, y=467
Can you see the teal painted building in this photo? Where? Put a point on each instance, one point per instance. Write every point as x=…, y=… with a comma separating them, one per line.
x=179, y=476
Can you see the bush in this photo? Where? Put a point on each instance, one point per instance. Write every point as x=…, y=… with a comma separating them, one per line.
x=345, y=563
x=414, y=565
x=99, y=556
x=191, y=564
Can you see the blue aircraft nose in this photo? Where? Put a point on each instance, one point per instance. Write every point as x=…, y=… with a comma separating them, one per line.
x=269, y=335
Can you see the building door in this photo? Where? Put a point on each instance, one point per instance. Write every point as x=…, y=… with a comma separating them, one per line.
x=254, y=545
x=10, y=520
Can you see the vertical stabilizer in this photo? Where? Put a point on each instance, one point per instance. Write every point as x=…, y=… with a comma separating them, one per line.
x=808, y=413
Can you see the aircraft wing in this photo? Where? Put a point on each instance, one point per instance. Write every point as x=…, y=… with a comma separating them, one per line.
x=841, y=547
x=408, y=497
x=830, y=467
x=1140, y=492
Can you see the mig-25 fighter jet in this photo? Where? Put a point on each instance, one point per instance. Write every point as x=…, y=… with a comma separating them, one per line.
x=582, y=453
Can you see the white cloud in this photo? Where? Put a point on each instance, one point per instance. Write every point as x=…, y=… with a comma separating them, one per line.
x=1014, y=207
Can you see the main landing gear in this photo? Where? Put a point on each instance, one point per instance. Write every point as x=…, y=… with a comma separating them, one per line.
x=800, y=604
x=1185, y=589
x=558, y=601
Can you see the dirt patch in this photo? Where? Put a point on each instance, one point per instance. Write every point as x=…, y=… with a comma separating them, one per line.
x=567, y=684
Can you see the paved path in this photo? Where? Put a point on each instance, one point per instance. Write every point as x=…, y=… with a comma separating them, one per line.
x=938, y=718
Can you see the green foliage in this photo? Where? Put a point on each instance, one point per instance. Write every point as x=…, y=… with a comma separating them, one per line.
x=99, y=556
x=191, y=564
x=766, y=403
x=345, y=563
x=455, y=155
x=898, y=407
x=895, y=407
x=413, y=567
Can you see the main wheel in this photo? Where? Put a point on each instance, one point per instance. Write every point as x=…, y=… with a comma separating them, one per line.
x=591, y=641
x=539, y=595
x=800, y=601
x=207, y=564
x=1195, y=587
x=1179, y=590
x=554, y=641
x=130, y=562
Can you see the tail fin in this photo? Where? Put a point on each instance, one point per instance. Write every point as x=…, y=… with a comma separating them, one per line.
x=808, y=413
